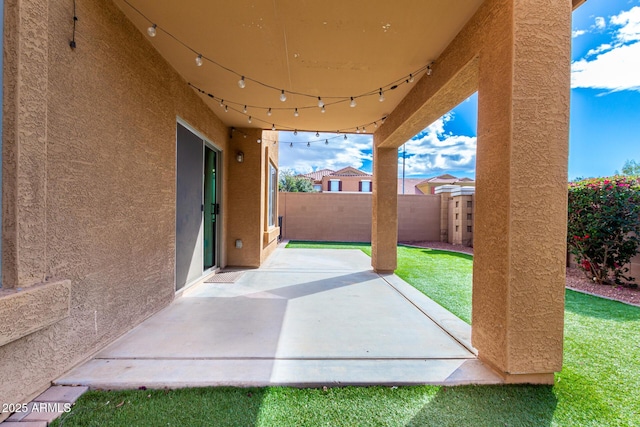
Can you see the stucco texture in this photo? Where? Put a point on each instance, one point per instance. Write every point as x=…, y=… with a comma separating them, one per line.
x=517, y=55
x=89, y=184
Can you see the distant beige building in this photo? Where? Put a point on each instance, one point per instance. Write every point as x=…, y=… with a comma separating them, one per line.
x=428, y=186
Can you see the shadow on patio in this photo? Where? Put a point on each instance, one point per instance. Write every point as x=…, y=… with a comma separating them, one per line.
x=306, y=318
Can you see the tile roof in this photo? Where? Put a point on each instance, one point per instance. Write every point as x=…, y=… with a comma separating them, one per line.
x=349, y=171
x=317, y=175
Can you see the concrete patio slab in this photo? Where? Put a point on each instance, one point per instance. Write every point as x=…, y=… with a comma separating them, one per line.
x=306, y=318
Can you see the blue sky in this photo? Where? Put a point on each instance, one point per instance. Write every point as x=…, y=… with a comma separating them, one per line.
x=605, y=110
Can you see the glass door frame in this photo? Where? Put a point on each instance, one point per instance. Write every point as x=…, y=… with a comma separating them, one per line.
x=218, y=188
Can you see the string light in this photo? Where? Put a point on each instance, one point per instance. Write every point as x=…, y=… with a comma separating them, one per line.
x=317, y=134
x=249, y=119
x=326, y=142
x=295, y=113
x=345, y=136
x=320, y=102
x=241, y=83
x=259, y=141
x=308, y=144
x=269, y=112
x=375, y=125
x=152, y=29
x=291, y=145
x=295, y=132
x=352, y=103
x=362, y=128
x=322, y=110
x=244, y=109
x=381, y=97
x=357, y=130
x=222, y=102
x=273, y=127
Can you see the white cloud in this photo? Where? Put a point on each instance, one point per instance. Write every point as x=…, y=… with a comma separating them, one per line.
x=600, y=23
x=615, y=65
x=602, y=48
x=630, y=23
x=614, y=71
x=577, y=33
x=339, y=153
x=434, y=151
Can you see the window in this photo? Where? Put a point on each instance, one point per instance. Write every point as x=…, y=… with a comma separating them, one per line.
x=469, y=217
x=469, y=203
x=317, y=187
x=469, y=228
x=365, y=186
x=335, y=185
x=273, y=193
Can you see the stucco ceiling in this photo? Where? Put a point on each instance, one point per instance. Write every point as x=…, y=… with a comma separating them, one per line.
x=328, y=48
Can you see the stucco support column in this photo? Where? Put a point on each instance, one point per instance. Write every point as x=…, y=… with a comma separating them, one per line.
x=521, y=193
x=384, y=224
x=24, y=142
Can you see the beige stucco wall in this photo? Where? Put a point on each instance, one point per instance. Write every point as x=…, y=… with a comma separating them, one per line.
x=516, y=54
x=89, y=180
x=347, y=217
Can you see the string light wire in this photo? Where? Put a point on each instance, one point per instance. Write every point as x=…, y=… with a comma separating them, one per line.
x=244, y=78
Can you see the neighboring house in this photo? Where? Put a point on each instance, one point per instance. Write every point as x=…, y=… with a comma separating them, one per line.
x=346, y=180
x=428, y=186
x=409, y=186
x=316, y=178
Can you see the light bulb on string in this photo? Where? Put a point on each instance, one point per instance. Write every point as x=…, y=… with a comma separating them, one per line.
x=283, y=97
x=364, y=129
x=273, y=127
x=295, y=132
x=410, y=78
x=295, y=113
x=352, y=103
x=259, y=141
x=152, y=30
x=244, y=109
x=199, y=60
x=357, y=130
x=249, y=119
x=320, y=103
x=345, y=136
x=308, y=144
x=226, y=109
x=291, y=145
x=241, y=83
x=381, y=97
x=375, y=125
x=317, y=134
x=322, y=110
x=222, y=102
x=269, y=112
x=326, y=142
x=429, y=70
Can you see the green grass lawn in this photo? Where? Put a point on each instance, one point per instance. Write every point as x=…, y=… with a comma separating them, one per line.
x=598, y=386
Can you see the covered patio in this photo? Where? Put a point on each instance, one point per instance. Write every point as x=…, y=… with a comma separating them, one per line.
x=307, y=317
x=140, y=153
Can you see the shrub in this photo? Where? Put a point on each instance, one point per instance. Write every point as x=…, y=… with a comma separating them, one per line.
x=604, y=225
